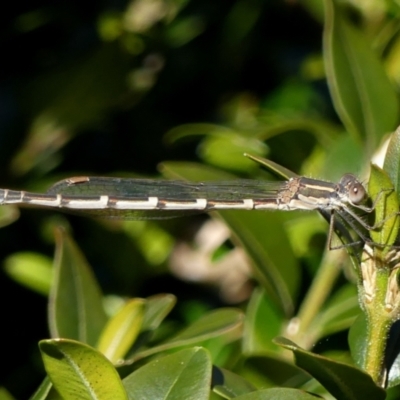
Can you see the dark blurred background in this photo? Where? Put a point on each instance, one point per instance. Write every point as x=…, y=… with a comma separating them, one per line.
x=94, y=87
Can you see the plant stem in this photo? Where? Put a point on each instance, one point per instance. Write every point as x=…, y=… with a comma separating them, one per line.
x=378, y=325
x=319, y=291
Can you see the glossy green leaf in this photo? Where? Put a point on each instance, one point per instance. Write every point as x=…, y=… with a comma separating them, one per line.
x=214, y=324
x=79, y=372
x=75, y=306
x=185, y=374
x=343, y=381
x=263, y=323
x=262, y=235
x=279, y=393
x=122, y=330
x=392, y=160
x=32, y=270
x=362, y=93
x=228, y=384
x=269, y=370
x=358, y=340
x=386, y=208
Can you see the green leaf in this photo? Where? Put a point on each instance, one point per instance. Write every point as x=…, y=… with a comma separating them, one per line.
x=343, y=381
x=362, y=93
x=182, y=375
x=261, y=234
x=46, y=391
x=5, y=394
x=210, y=325
x=228, y=384
x=263, y=237
x=274, y=167
x=217, y=323
x=122, y=330
x=339, y=313
x=32, y=270
x=263, y=323
x=270, y=370
x=279, y=393
x=358, y=340
x=75, y=306
x=387, y=206
x=156, y=309
x=392, y=160
x=79, y=372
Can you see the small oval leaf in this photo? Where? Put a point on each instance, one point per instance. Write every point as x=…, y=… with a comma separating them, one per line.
x=182, y=375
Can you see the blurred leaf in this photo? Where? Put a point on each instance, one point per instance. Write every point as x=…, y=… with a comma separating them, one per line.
x=233, y=148
x=339, y=313
x=182, y=375
x=279, y=170
x=392, y=359
x=362, y=94
x=269, y=370
x=122, y=330
x=5, y=394
x=184, y=30
x=79, y=372
x=75, y=305
x=46, y=391
x=263, y=237
x=233, y=142
x=228, y=384
x=386, y=208
x=266, y=242
x=73, y=98
x=8, y=215
x=32, y=270
x=263, y=323
x=341, y=380
x=279, y=393
x=392, y=160
x=217, y=323
x=156, y=309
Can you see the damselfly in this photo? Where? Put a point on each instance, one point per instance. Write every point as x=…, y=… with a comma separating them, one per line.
x=157, y=199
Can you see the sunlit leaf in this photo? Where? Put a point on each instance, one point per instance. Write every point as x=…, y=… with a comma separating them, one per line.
x=75, y=306
x=122, y=330
x=279, y=393
x=79, y=372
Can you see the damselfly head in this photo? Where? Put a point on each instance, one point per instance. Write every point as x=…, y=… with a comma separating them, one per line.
x=350, y=186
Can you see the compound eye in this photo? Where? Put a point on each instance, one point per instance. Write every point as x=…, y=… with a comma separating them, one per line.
x=356, y=192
